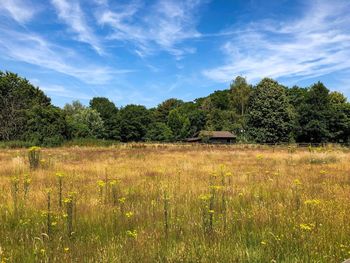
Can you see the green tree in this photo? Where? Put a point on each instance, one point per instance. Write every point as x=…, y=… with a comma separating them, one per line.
x=159, y=132
x=336, y=97
x=270, y=115
x=45, y=126
x=240, y=94
x=179, y=124
x=163, y=109
x=109, y=114
x=339, y=118
x=85, y=123
x=220, y=99
x=134, y=122
x=314, y=115
x=73, y=108
x=17, y=98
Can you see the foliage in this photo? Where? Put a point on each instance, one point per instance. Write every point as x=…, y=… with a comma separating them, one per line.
x=108, y=112
x=46, y=126
x=270, y=114
x=314, y=115
x=159, y=132
x=179, y=124
x=85, y=123
x=240, y=92
x=163, y=109
x=17, y=97
x=265, y=113
x=134, y=122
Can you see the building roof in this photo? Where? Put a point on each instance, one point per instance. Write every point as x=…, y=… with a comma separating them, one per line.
x=216, y=134
x=211, y=135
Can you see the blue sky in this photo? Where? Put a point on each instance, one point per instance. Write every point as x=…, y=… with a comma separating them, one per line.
x=145, y=51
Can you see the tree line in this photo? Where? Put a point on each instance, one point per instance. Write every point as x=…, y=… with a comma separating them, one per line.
x=264, y=113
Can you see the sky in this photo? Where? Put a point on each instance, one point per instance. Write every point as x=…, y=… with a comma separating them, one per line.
x=146, y=51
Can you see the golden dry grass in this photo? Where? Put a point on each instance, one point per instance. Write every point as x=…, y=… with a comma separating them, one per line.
x=157, y=203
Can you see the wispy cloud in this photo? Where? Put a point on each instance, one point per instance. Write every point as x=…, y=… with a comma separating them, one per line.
x=33, y=49
x=72, y=15
x=164, y=25
x=315, y=45
x=20, y=10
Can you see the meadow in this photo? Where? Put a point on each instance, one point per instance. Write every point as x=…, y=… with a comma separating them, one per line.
x=175, y=203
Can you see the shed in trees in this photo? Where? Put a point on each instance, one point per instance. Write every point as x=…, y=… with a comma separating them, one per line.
x=213, y=137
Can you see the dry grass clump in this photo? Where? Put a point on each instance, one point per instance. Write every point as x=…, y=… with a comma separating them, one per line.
x=176, y=203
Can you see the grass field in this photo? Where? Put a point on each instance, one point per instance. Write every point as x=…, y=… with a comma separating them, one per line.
x=149, y=203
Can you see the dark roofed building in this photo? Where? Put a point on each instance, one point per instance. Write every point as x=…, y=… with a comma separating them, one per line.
x=213, y=137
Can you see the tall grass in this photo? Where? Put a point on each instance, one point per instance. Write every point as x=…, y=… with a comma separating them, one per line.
x=176, y=204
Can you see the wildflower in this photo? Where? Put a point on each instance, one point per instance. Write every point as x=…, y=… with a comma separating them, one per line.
x=66, y=249
x=34, y=148
x=297, y=182
x=204, y=197
x=129, y=214
x=259, y=156
x=101, y=183
x=307, y=227
x=211, y=211
x=59, y=175
x=113, y=182
x=131, y=233
x=42, y=251
x=67, y=200
x=216, y=187
x=240, y=194
x=53, y=223
x=122, y=200
x=263, y=243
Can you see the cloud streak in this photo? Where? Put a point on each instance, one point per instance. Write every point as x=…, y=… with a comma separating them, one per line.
x=164, y=25
x=33, y=49
x=315, y=45
x=19, y=10
x=71, y=14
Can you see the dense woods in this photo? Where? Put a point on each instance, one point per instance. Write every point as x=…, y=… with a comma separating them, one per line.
x=266, y=113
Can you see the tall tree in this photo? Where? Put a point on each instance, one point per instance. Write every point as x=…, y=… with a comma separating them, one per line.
x=270, y=114
x=163, y=109
x=17, y=98
x=108, y=112
x=314, y=115
x=134, y=122
x=179, y=124
x=240, y=93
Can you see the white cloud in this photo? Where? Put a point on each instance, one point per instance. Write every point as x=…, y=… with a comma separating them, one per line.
x=19, y=10
x=71, y=14
x=35, y=50
x=164, y=25
x=315, y=45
